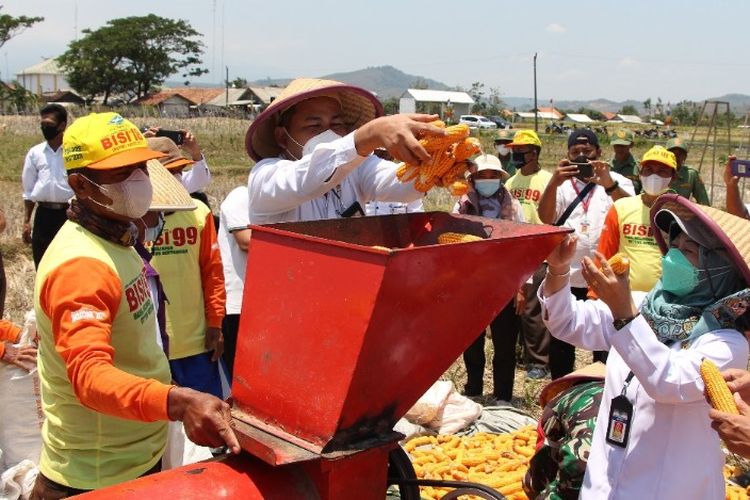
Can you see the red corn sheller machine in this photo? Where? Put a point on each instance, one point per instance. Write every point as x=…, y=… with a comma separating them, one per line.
x=345, y=324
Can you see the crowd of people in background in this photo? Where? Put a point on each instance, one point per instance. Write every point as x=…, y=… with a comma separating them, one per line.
x=129, y=264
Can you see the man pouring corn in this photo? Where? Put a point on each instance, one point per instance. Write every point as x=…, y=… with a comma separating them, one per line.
x=314, y=148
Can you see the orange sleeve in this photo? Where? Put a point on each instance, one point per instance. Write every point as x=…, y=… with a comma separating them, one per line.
x=85, y=284
x=609, y=240
x=8, y=333
x=212, y=274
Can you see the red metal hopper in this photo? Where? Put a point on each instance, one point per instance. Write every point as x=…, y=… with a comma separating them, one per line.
x=346, y=322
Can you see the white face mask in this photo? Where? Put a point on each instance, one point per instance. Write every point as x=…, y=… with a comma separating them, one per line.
x=153, y=233
x=655, y=184
x=322, y=138
x=130, y=198
x=502, y=150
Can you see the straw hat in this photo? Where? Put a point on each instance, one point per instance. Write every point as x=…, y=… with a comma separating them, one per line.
x=708, y=226
x=174, y=157
x=594, y=371
x=359, y=106
x=169, y=193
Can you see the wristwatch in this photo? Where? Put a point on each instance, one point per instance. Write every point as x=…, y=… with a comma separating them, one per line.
x=619, y=324
x=611, y=189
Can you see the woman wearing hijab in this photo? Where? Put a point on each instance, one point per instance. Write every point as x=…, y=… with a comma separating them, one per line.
x=653, y=437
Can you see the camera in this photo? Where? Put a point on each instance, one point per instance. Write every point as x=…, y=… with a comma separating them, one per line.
x=176, y=136
x=585, y=169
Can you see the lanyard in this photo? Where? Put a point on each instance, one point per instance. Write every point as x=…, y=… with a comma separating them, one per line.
x=338, y=203
x=584, y=201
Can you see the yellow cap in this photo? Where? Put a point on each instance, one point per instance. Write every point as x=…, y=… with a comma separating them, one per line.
x=660, y=155
x=526, y=137
x=104, y=141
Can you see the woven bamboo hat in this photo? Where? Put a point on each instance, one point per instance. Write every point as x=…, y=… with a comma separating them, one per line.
x=711, y=228
x=359, y=106
x=594, y=371
x=169, y=193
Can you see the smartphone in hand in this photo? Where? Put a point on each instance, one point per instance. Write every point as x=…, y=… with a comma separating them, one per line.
x=740, y=168
x=176, y=136
x=585, y=169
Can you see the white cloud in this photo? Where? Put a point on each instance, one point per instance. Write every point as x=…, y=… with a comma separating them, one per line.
x=628, y=62
x=555, y=28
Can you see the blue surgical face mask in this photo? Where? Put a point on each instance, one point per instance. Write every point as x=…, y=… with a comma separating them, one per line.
x=679, y=275
x=487, y=187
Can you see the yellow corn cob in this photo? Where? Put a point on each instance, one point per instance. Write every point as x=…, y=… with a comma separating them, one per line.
x=453, y=134
x=716, y=388
x=455, y=173
x=458, y=188
x=466, y=148
x=406, y=172
x=457, y=238
x=424, y=185
x=619, y=263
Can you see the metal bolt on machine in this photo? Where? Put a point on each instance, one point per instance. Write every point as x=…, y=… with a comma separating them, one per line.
x=345, y=324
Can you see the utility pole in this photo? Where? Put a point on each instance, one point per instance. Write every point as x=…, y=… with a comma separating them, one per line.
x=226, y=95
x=536, y=106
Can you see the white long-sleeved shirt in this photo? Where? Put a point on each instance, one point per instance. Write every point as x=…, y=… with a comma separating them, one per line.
x=44, y=177
x=323, y=184
x=198, y=177
x=672, y=451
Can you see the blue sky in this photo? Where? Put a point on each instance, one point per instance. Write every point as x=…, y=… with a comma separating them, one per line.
x=586, y=49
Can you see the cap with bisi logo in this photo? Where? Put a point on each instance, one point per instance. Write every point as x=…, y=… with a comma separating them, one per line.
x=525, y=137
x=104, y=141
x=659, y=154
x=623, y=137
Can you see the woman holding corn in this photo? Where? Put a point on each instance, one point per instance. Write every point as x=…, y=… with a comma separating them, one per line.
x=653, y=437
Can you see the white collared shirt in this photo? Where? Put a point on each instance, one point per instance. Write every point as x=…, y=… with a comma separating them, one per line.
x=233, y=218
x=323, y=184
x=587, y=219
x=672, y=451
x=44, y=177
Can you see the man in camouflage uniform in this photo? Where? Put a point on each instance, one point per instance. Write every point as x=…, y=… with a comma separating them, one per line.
x=623, y=162
x=566, y=428
x=505, y=137
x=688, y=181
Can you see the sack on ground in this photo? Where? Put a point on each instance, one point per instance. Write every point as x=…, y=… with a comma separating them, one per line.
x=457, y=413
x=18, y=481
x=426, y=408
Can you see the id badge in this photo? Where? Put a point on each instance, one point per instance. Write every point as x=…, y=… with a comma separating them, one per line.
x=585, y=226
x=619, y=421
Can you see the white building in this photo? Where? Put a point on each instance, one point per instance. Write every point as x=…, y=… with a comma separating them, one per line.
x=435, y=101
x=578, y=118
x=45, y=76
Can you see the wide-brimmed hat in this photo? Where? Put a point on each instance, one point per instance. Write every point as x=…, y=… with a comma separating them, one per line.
x=104, y=141
x=358, y=106
x=169, y=193
x=173, y=157
x=489, y=162
x=594, y=371
x=709, y=227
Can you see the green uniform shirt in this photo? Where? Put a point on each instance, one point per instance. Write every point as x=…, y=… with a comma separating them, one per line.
x=508, y=165
x=628, y=168
x=688, y=183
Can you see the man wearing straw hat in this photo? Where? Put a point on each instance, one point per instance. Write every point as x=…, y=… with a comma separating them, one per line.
x=106, y=389
x=313, y=146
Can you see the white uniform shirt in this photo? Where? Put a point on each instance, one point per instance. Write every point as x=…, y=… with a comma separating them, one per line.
x=233, y=217
x=44, y=177
x=198, y=177
x=323, y=184
x=393, y=207
x=587, y=218
x=672, y=452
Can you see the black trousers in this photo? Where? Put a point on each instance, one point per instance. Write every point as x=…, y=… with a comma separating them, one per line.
x=504, y=330
x=229, y=328
x=47, y=222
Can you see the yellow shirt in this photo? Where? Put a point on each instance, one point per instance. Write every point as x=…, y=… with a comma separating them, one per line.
x=97, y=331
x=528, y=189
x=627, y=229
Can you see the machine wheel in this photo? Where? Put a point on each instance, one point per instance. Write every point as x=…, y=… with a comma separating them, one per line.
x=400, y=467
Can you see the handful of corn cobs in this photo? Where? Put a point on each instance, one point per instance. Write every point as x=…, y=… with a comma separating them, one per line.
x=448, y=164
